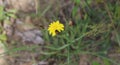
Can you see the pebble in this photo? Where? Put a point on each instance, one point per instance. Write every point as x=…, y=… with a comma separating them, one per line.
x=24, y=33
x=38, y=40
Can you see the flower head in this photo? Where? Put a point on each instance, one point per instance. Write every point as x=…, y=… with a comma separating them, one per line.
x=55, y=26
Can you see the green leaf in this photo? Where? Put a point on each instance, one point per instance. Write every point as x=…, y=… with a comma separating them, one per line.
x=117, y=12
x=118, y=38
x=12, y=11
x=1, y=13
x=3, y=37
x=74, y=11
x=2, y=46
x=11, y=15
x=95, y=63
x=99, y=1
x=77, y=1
x=1, y=29
x=106, y=62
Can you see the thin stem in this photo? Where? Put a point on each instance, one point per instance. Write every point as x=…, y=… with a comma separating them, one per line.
x=68, y=59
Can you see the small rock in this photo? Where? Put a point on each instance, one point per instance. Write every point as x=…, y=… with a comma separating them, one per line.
x=43, y=63
x=20, y=5
x=37, y=32
x=33, y=36
x=38, y=40
x=19, y=34
x=23, y=26
x=24, y=32
x=29, y=35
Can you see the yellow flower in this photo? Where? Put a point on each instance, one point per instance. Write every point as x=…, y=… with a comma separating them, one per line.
x=55, y=27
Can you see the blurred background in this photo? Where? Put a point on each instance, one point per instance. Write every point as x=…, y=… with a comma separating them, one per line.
x=91, y=35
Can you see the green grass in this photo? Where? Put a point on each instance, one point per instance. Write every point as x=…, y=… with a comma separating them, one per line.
x=90, y=35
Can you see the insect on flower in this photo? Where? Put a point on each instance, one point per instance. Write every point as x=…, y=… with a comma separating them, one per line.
x=55, y=26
